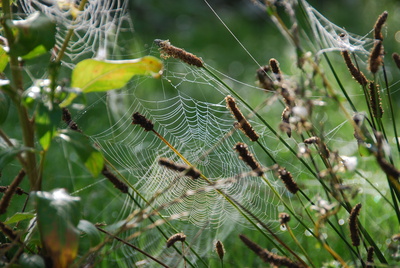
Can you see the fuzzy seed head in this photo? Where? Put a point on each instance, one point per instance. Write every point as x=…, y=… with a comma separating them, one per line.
x=284, y=218
x=287, y=179
x=175, y=238
x=219, y=248
x=141, y=120
x=353, y=225
x=248, y=158
x=168, y=50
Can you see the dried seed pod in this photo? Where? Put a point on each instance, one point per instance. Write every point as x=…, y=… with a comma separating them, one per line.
x=219, y=248
x=274, y=64
x=375, y=57
x=189, y=171
x=120, y=185
x=354, y=232
x=264, y=80
x=312, y=140
x=248, y=158
x=354, y=71
x=141, y=120
x=287, y=179
x=396, y=58
x=244, y=124
x=379, y=24
x=268, y=256
x=375, y=100
x=168, y=50
x=66, y=117
x=284, y=218
x=175, y=238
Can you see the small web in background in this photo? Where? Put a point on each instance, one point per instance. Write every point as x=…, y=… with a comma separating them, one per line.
x=99, y=25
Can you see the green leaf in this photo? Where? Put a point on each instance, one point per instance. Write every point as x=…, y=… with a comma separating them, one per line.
x=88, y=154
x=4, y=107
x=20, y=216
x=3, y=59
x=31, y=261
x=92, y=235
x=95, y=75
x=46, y=122
x=58, y=215
x=8, y=154
x=33, y=36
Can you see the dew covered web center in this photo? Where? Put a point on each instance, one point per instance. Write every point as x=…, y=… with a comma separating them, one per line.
x=189, y=111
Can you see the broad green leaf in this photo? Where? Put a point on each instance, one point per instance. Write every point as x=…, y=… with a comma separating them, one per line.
x=58, y=216
x=94, y=75
x=31, y=261
x=33, y=36
x=4, y=107
x=3, y=59
x=88, y=154
x=91, y=236
x=20, y=216
x=46, y=122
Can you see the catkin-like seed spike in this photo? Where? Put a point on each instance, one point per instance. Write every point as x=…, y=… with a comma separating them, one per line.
x=219, y=248
x=244, y=125
x=248, y=158
x=396, y=58
x=379, y=24
x=354, y=233
x=370, y=257
x=275, y=69
x=189, y=171
x=120, y=185
x=264, y=80
x=168, y=50
x=268, y=256
x=375, y=57
x=354, y=71
x=284, y=218
x=287, y=179
x=312, y=140
x=375, y=100
x=66, y=117
x=139, y=119
x=175, y=238
x=285, y=125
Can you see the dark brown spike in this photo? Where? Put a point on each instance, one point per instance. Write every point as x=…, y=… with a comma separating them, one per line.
x=245, y=126
x=287, y=179
x=189, y=171
x=141, y=120
x=375, y=57
x=285, y=125
x=219, y=248
x=268, y=256
x=396, y=58
x=284, y=218
x=354, y=71
x=274, y=64
x=379, y=24
x=389, y=169
x=168, y=50
x=264, y=80
x=175, y=238
x=248, y=158
x=370, y=257
x=353, y=225
x=375, y=100
x=66, y=117
x=312, y=140
x=120, y=185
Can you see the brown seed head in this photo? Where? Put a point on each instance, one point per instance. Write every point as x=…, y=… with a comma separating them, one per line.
x=175, y=238
x=396, y=58
x=219, y=248
x=139, y=119
x=353, y=225
x=264, y=80
x=379, y=24
x=354, y=71
x=287, y=179
x=370, y=257
x=189, y=171
x=375, y=100
x=274, y=64
x=120, y=185
x=248, y=158
x=168, y=50
x=66, y=117
x=284, y=218
x=245, y=126
x=375, y=57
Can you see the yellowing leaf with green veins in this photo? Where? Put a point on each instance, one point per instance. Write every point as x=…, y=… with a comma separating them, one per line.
x=95, y=75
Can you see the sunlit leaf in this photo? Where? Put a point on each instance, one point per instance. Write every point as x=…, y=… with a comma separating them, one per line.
x=95, y=75
x=46, y=122
x=58, y=216
x=91, y=236
x=20, y=216
x=3, y=59
x=88, y=154
x=33, y=36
